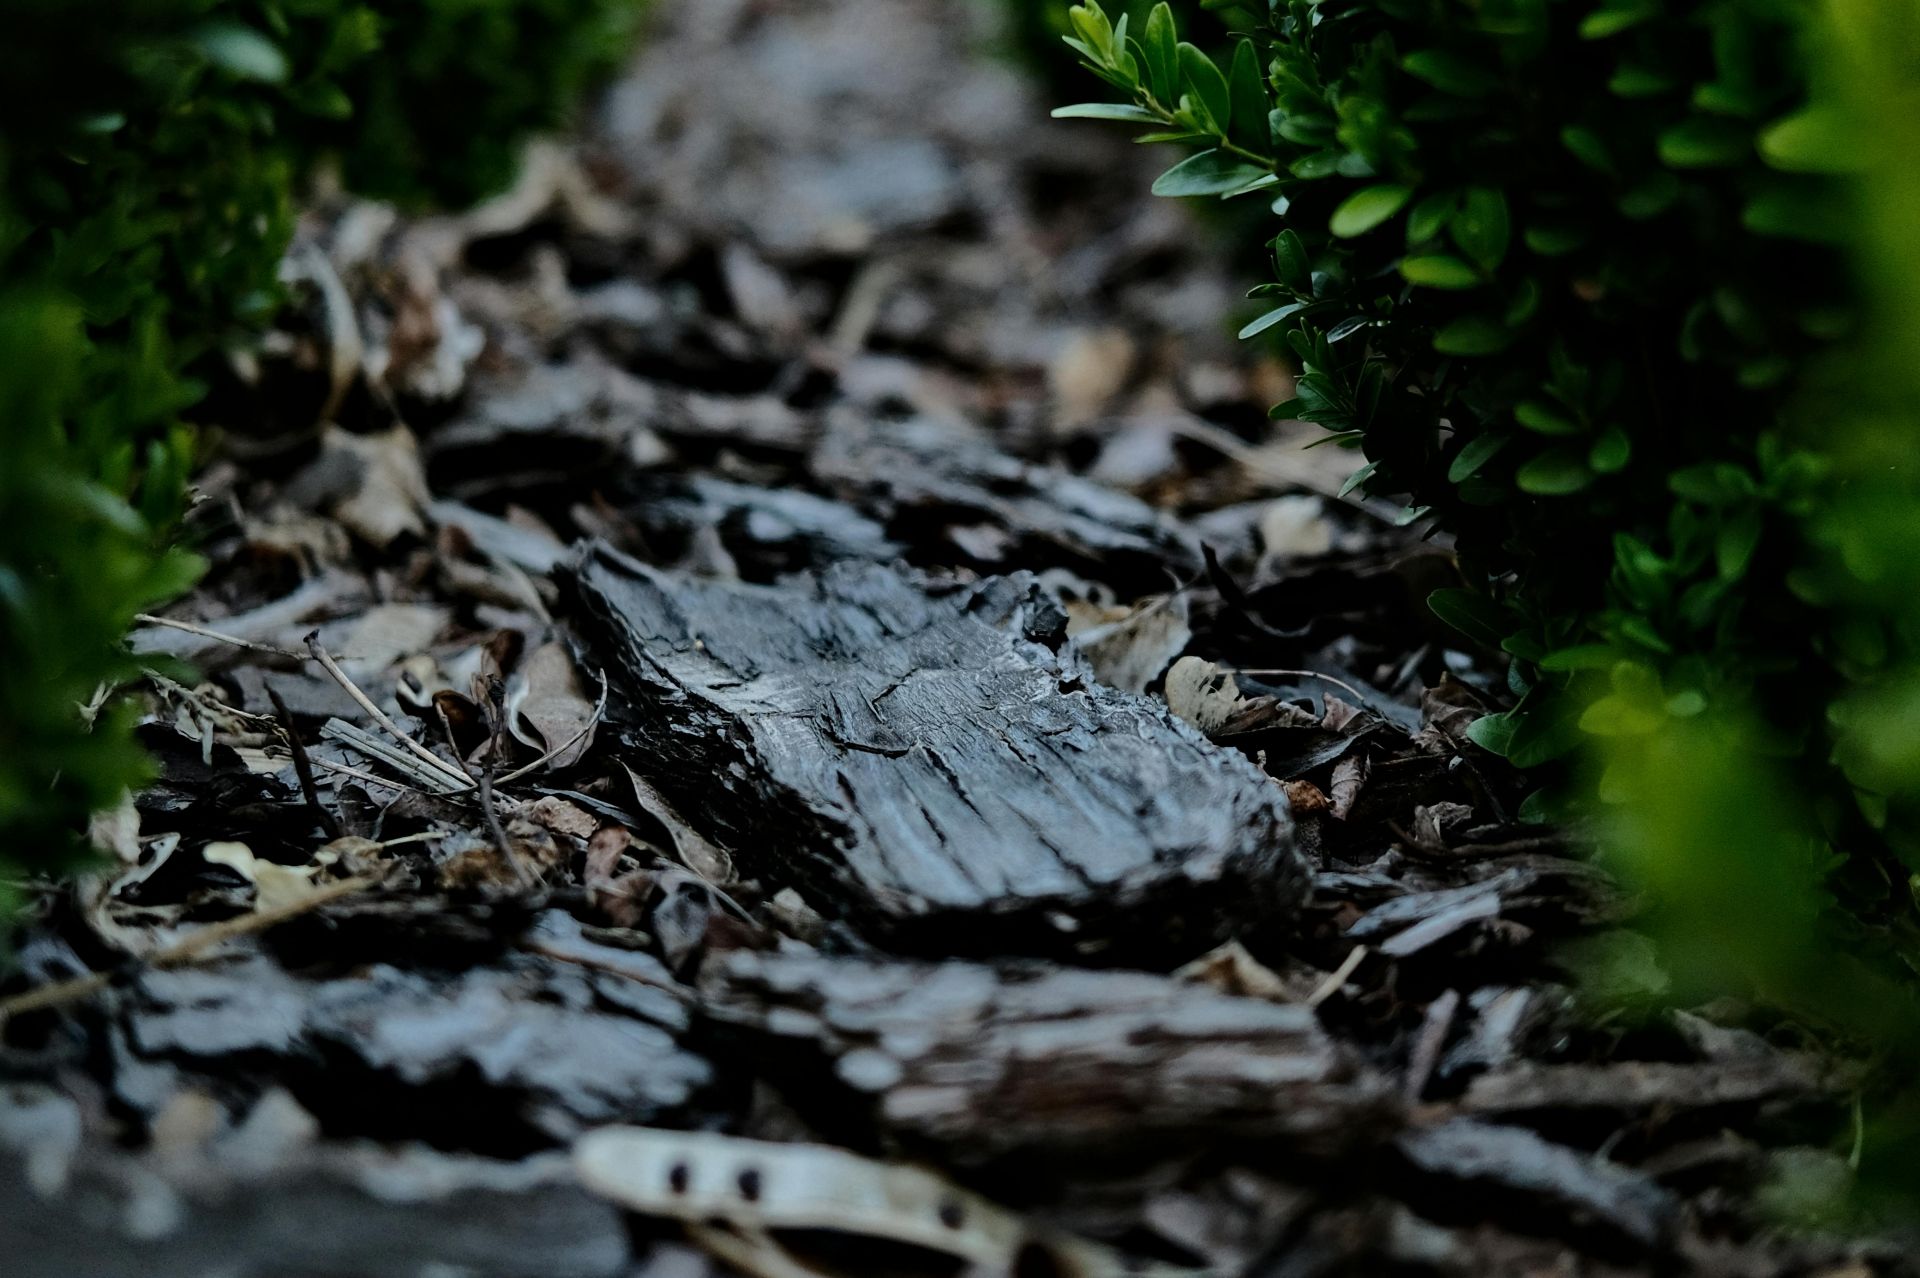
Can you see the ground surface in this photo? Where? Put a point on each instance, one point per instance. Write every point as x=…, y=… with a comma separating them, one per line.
x=821, y=643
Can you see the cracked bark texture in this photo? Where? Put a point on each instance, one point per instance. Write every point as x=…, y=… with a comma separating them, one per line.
x=916, y=760
x=983, y=1061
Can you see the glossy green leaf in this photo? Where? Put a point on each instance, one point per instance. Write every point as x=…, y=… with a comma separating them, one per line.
x=1440, y=270
x=1473, y=614
x=1482, y=226
x=1554, y=473
x=1124, y=112
x=1208, y=173
x=1368, y=208
x=1476, y=455
x=1451, y=73
x=1205, y=82
x=1246, y=85
x=1473, y=335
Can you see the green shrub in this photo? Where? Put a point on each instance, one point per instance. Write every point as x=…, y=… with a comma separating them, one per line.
x=439, y=114
x=1626, y=295
x=150, y=155
x=1555, y=271
x=1035, y=29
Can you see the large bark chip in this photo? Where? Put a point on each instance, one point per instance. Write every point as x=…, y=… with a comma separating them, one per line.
x=906, y=753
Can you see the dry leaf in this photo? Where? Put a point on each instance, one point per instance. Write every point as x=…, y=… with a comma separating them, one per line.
x=1129, y=647
x=274, y=885
x=1202, y=693
x=548, y=709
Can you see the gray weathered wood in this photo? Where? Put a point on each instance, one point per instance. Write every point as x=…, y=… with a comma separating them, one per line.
x=1057, y=1060
x=916, y=760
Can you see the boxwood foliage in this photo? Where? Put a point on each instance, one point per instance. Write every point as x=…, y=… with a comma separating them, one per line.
x=438, y=115
x=1559, y=270
x=151, y=152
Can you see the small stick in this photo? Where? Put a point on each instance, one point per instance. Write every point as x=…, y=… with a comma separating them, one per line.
x=339, y=676
x=1305, y=674
x=182, y=953
x=1426, y=1047
x=303, y=767
x=1338, y=978
x=358, y=775
x=148, y=619
x=501, y=843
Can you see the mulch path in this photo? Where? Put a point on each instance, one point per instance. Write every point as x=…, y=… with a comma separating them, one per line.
x=772, y=702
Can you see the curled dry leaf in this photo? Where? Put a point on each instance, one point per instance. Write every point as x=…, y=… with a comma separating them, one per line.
x=1295, y=527
x=547, y=708
x=1129, y=647
x=1202, y=693
x=1349, y=776
x=275, y=886
x=373, y=484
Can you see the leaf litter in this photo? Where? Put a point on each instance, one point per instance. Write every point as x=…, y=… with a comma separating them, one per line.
x=737, y=657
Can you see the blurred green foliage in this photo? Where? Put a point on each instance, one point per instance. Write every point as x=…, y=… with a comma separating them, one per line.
x=1036, y=28
x=151, y=152
x=1627, y=296
x=1532, y=267
x=439, y=112
x=1741, y=857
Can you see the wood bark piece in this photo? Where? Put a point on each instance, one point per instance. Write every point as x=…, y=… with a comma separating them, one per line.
x=1589, y=1190
x=918, y=762
x=1058, y=1060
x=996, y=510
x=1635, y=1086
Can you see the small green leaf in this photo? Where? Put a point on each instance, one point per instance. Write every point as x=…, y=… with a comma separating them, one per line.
x=1589, y=656
x=1121, y=111
x=1588, y=148
x=1473, y=335
x=1475, y=455
x=1633, y=81
x=1483, y=620
x=1368, y=208
x=1705, y=142
x=1610, y=452
x=1440, y=270
x=1536, y=416
x=1555, y=241
x=1291, y=264
x=1482, y=227
x=1492, y=733
x=1358, y=478
x=1160, y=54
x=1208, y=173
x=1616, y=716
x=1205, y=82
x=1247, y=88
x=1734, y=547
x=242, y=52
x=1817, y=139
x=1612, y=19
x=1271, y=318
x=1450, y=73
x=1429, y=217
x=1554, y=473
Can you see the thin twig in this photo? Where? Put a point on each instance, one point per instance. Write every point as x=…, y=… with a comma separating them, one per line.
x=148, y=619
x=182, y=953
x=1330, y=986
x=339, y=676
x=303, y=766
x=502, y=844
x=1305, y=674
x=345, y=771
